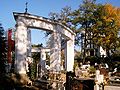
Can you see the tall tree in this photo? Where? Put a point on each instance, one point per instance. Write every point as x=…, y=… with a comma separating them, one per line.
x=3, y=50
x=106, y=27
x=82, y=20
x=79, y=20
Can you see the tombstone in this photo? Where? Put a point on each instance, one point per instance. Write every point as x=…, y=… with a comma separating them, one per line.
x=98, y=80
x=42, y=62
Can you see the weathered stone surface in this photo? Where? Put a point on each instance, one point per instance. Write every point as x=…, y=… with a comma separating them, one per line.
x=22, y=43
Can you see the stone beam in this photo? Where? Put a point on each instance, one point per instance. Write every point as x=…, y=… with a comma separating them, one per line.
x=37, y=49
x=33, y=21
x=55, y=52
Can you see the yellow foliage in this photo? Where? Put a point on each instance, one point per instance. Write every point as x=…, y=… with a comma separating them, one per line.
x=112, y=13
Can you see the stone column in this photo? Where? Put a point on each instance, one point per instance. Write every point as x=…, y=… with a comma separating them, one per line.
x=20, y=46
x=69, y=55
x=55, y=52
x=42, y=61
x=29, y=47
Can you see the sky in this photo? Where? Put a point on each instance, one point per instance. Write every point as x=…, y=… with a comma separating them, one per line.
x=40, y=8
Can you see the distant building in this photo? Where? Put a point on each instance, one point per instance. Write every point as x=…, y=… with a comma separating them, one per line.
x=88, y=48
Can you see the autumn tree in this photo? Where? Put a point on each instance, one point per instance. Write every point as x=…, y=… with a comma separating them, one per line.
x=106, y=27
x=100, y=24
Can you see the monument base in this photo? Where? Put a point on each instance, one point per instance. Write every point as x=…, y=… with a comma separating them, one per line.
x=21, y=79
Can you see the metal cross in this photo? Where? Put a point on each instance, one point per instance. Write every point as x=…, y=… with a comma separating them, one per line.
x=26, y=9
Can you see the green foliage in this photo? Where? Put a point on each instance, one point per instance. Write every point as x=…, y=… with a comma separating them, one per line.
x=92, y=69
x=92, y=59
x=82, y=19
x=33, y=66
x=33, y=70
x=115, y=61
x=106, y=26
x=78, y=56
x=100, y=24
x=36, y=56
x=3, y=50
x=39, y=45
x=75, y=65
x=47, y=59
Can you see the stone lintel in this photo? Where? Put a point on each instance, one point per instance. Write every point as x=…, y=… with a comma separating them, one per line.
x=34, y=21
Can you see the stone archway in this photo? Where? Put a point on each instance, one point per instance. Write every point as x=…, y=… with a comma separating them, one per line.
x=22, y=43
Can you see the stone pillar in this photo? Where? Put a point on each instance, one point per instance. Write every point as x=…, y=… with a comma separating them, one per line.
x=69, y=55
x=42, y=61
x=20, y=46
x=29, y=47
x=55, y=52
